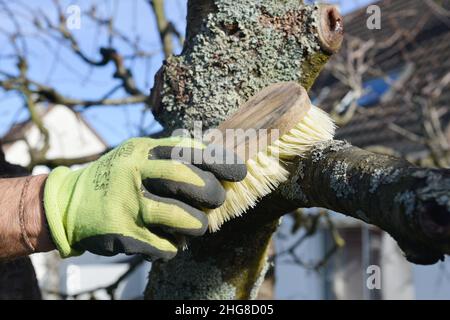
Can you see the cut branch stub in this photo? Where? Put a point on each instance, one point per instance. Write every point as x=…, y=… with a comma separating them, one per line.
x=331, y=28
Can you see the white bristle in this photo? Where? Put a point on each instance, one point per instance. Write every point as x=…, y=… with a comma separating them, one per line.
x=265, y=171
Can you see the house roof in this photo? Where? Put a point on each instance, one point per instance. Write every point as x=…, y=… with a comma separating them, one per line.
x=18, y=130
x=428, y=54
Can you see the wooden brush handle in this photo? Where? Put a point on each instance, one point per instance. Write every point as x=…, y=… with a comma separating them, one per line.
x=277, y=108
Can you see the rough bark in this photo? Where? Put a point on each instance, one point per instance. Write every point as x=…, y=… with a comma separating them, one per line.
x=233, y=50
x=236, y=48
x=17, y=277
x=411, y=203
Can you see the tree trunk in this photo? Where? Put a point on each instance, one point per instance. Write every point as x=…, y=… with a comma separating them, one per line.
x=233, y=50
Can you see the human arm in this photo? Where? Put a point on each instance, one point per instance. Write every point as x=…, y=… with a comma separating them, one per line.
x=12, y=242
x=134, y=200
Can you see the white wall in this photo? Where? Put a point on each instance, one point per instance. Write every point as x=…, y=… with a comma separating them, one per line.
x=293, y=281
x=69, y=138
x=432, y=282
x=399, y=278
x=397, y=273
x=90, y=271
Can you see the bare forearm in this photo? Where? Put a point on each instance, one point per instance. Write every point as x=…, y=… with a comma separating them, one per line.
x=24, y=234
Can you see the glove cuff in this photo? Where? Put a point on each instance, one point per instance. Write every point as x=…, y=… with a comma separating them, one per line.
x=55, y=211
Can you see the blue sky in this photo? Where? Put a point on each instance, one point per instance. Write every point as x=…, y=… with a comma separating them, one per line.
x=347, y=6
x=54, y=64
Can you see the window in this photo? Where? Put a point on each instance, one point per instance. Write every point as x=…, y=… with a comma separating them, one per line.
x=376, y=90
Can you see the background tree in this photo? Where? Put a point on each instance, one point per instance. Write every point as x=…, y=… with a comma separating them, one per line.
x=372, y=55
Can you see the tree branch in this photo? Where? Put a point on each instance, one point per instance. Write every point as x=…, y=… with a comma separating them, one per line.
x=164, y=26
x=53, y=96
x=68, y=162
x=409, y=202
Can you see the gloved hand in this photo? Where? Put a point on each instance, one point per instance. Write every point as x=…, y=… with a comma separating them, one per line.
x=134, y=199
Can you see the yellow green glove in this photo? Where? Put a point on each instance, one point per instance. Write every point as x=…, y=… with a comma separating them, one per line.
x=135, y=199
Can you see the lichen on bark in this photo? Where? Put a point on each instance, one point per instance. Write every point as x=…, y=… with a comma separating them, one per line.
x=226, y=265
x=234, y=49
x=411, y=203
x=241, y=47
x=190, y=280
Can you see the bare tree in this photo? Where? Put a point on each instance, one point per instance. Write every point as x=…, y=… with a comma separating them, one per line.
x=31, y=30
x=49, y=28
x=363, y=58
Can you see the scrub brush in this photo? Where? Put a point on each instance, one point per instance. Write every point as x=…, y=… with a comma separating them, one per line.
x=293, y=127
